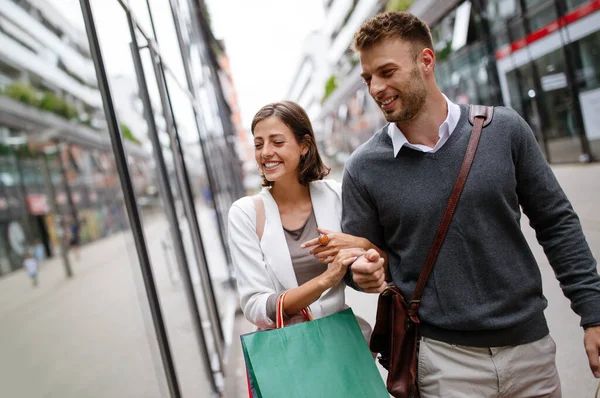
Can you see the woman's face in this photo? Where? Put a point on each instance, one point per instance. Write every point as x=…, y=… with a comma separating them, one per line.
x=276, y=150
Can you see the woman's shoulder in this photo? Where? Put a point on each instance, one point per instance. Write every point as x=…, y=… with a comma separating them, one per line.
x=329, y=184
x=242, y=205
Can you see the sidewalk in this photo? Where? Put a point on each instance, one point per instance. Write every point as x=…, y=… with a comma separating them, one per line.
x=92, y=336
x=582, y=185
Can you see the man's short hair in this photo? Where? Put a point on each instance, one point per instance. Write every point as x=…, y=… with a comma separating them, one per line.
x=393, y=25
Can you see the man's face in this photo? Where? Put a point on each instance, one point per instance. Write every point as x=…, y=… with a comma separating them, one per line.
x=391, y=71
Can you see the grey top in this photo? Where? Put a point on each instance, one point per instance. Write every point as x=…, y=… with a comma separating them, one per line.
x=306, y=266
x=486, y=288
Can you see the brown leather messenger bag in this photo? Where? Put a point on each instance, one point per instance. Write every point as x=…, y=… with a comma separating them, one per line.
x=396, y=328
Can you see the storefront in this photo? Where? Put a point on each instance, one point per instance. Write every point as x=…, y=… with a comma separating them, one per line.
x=548, y=59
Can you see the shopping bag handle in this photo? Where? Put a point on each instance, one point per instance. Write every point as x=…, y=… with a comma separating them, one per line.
x=280, y=323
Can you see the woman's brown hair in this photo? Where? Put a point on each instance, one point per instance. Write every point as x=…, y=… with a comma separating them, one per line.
x=311, y=166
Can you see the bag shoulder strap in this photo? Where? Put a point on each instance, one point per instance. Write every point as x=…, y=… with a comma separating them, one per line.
x=479, y=116
x=259, y=205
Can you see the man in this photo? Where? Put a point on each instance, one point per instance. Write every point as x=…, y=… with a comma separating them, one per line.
x=483, y=330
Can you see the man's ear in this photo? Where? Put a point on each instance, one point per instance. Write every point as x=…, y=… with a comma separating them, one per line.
x=427, y=60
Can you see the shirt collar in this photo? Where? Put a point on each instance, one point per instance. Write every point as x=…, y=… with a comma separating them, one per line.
x=399, y=139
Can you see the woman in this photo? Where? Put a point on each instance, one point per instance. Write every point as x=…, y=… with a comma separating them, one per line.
x=296, y=202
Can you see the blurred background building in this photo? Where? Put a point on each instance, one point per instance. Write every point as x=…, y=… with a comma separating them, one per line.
x=51, y=117
x=107, y=135
x=540, y=57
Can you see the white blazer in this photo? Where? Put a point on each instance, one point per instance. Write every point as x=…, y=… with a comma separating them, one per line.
x=265, y=267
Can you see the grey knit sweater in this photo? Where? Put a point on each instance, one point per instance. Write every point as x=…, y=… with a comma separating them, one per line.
x=486, y=288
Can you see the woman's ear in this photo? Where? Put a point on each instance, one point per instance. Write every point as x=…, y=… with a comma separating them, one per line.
x=305, y=144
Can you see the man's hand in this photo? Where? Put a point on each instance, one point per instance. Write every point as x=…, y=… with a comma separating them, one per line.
x=368, y=272
x=591, y=342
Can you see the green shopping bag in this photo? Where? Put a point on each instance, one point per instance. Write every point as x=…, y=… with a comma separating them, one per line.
x=326, y=357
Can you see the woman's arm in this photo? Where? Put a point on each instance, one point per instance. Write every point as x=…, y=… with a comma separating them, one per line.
x=253, y=282
x=339, y=241
x=301, y=297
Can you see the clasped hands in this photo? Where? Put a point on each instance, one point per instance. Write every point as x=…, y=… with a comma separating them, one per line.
x=343, y=251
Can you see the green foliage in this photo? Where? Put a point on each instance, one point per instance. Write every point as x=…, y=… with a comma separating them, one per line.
x=444, y=53
x=28, y=95
x=128, y=135
x=51, y=103
x=398, y=5
x=330, y=87
x=22, y=92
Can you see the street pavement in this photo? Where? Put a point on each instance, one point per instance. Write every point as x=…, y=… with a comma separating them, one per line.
x=92, y=336
x=582, y=185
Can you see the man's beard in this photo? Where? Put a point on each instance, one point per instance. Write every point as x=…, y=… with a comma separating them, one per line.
x=412, y=101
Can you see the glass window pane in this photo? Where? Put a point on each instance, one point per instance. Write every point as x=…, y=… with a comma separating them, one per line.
x=177, y=310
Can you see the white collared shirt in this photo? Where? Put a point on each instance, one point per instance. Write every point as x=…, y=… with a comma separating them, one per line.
x=446, y=128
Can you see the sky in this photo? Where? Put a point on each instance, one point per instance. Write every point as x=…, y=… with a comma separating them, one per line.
x=263, y=38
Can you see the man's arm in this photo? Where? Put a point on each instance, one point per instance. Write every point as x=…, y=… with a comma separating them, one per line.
x=557, y=228
x=559, y=232
x=360, y=218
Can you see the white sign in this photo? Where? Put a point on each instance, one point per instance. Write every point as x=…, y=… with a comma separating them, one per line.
x=590, y=108
x=554, y=81
x=461, y=25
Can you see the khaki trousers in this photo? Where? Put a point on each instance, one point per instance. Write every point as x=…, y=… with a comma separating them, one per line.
x=454, y=371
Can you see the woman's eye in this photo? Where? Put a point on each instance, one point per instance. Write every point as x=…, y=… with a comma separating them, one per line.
x=257, y=145
x=278, y=142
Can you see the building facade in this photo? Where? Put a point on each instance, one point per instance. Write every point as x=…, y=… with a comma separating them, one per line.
x=53, y=138
x=539, y=57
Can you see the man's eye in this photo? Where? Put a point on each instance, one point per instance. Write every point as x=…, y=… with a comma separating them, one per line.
x=257, y=145
x=387, y=73
x=278, y=142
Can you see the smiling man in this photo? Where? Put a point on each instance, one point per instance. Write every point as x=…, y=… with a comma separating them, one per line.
x=483, y=330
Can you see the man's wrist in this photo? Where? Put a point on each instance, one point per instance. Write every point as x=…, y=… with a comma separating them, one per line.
x=349, y=277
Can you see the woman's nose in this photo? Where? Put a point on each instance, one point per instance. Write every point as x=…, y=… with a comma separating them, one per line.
x=267, y=151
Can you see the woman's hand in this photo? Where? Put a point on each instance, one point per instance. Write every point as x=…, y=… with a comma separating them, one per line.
x=337, y=242
x=338, y=267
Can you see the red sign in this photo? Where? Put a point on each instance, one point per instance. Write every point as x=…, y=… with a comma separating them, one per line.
x=37, y=204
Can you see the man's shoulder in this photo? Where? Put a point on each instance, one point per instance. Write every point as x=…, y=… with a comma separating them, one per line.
x=508, y=120
x=379, y=144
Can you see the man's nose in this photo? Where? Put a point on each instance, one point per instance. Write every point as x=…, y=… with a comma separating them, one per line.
x=376, y=87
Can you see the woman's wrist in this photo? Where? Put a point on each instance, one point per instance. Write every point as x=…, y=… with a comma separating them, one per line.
x=325, y=281
x=365, y=244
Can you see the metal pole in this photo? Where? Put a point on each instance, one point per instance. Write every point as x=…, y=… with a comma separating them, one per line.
x=569, y=54
x=130, y=201
x=169, y=204
x=540, y=94
x=63, y=170
x=188, y=205
x=207, y=163
x=52, y=195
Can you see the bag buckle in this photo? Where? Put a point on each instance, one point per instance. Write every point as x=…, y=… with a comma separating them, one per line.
x=411, y=312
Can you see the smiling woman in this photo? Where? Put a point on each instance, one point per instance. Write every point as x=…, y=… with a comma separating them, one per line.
x=283, y=136
x=282, y=255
